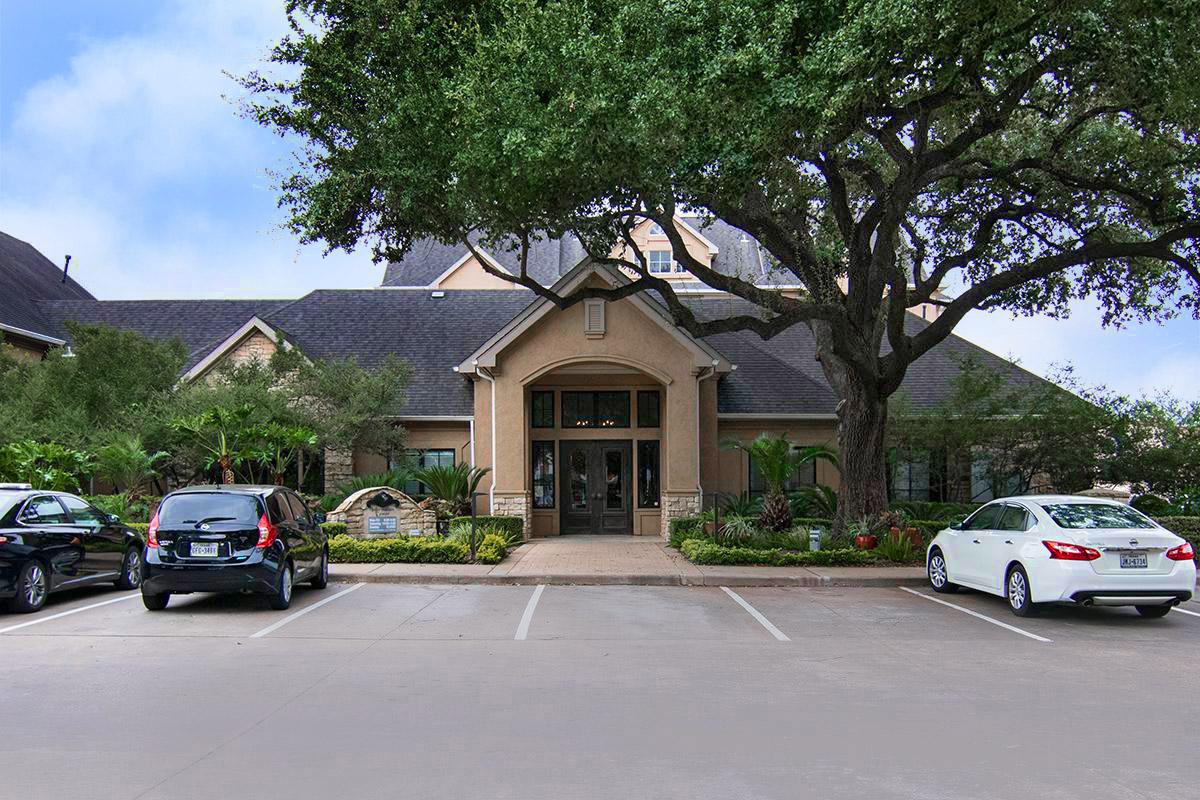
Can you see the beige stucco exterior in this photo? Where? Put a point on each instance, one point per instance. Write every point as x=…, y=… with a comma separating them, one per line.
x=469, y=274
x=697, y=247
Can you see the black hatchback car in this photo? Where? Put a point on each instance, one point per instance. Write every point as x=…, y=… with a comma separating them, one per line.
x=55, y=540
x=258, y=539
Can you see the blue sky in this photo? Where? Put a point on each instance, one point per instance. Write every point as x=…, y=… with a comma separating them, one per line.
x=119, y=144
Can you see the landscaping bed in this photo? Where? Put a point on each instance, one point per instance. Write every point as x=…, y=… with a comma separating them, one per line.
x=415, y=550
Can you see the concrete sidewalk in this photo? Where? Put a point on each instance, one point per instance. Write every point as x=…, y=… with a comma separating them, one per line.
x=617, y=560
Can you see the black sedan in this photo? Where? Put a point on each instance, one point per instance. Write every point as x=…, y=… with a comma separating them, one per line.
x=258, y=539
x=55, y=540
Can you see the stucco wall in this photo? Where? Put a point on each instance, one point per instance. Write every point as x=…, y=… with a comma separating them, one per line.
x=470, y=275
x=454, y=436
x=646, y=242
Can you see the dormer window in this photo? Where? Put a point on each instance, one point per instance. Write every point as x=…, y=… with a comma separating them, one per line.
x=659, y=262
x=656, y=229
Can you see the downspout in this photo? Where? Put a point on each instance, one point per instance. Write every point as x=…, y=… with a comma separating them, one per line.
x=483, y=373
x=471, y=427
x=699, y=379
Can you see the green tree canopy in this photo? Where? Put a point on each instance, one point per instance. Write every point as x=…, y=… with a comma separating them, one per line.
x=1025, y=153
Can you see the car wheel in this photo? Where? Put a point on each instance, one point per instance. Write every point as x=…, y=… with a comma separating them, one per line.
x=281, y=598
x=938, y=576
x=156, y=602
x=33, y=586
x=131, y=570
x=1016, y=589
x=321, y=579
x=1154, y=612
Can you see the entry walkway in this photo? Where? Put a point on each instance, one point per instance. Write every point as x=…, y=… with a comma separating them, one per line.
x=628, y=560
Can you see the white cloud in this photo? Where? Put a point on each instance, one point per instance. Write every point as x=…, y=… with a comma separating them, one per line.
x=134, y=162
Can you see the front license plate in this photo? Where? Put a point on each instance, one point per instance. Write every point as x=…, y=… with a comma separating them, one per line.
x=1133, y=561
x=209, y=550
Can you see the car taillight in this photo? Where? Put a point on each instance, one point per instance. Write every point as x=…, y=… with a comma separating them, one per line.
x=1182, y=553
x=266, y=532
x=152, y=532
x=1071, y=552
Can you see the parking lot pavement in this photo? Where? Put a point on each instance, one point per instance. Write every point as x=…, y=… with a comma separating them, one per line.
x=378, y=690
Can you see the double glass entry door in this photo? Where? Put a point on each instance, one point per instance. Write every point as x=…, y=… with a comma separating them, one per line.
x=596, y=493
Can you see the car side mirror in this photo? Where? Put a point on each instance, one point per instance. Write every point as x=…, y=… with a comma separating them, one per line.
x=956, y=526
x=113, y=519
x=319, y=517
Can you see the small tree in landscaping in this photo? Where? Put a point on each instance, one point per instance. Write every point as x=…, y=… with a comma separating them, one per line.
x=125, y=464
x=778, y=461
x=44, y=465
x=277, y=447
x=219, y=431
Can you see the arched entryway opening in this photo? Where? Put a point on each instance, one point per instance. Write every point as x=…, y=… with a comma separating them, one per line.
x=596, y=433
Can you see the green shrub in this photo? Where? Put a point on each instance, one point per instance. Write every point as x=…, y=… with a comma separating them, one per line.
x=137, y=511
x=923, y=509
x=141, y=527
x=683, y=528
x=898, y=549
x=703, y=551
x=1154, y=506
x=411, y=550
x=334, y=528
x=492, y=550
x=511, y=528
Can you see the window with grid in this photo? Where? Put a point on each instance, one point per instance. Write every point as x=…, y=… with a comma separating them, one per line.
x=648, y=408
x=659, y=262
x=542, y=410
x=595, y=409
x=423, y=459
x=805, y=476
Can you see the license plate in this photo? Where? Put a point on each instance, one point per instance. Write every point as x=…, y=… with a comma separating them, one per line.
x=1133, y=561
x=209, y=550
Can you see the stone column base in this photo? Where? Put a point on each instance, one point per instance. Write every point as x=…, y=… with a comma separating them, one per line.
x=339, y=467
x=515, y=504
x=678, y=504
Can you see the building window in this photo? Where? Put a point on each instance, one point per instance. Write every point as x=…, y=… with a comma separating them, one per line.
x=919, y=475
x=543, y=474
x=595, y=409
x=647, y=484
x=423, y=459
x=648, y=408
x=542, y=411
x=659, y=262
x=805, y=476
x=656, y=229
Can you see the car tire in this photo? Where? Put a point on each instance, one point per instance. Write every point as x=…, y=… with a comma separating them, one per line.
x=33, y=587
x=131, y=570
x=156, y=602
x=321, y=579
x=1154, y=612
x=1018, y=593
x=281, y=598
x=935, y=570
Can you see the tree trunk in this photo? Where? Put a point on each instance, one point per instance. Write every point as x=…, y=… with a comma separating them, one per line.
x=227, y=470
x=862, y=430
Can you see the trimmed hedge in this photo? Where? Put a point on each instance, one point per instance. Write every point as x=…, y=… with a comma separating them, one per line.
x=409, y=550
x=512, y=528
x=703, y=551
x=491, y=550
x=334, y=528
x=141, y=527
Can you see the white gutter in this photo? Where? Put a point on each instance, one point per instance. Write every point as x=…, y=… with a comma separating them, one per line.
x=41, y=337
x=487, y=376
x=472, y=425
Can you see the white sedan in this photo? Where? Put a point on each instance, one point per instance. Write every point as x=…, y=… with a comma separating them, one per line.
x=1050, y=549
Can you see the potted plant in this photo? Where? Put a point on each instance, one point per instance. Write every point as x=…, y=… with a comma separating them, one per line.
x=914, y=536
x=893, y=521
x=864, y=537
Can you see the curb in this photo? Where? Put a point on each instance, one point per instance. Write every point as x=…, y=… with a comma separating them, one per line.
x=808, y=581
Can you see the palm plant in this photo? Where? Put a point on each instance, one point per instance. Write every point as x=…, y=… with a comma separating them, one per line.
x=277, y=446
x=219, y=431
x=818, y=500
x=777, y=461
x=125, y=464
x=451, y=487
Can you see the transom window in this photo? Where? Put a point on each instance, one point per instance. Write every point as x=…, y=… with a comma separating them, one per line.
x=542, y=411
x=595, y=409
x=648, y=408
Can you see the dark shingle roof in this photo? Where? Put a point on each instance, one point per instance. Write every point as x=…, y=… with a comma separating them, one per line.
x=433, y=335
x=200, y=324
x=27, y=276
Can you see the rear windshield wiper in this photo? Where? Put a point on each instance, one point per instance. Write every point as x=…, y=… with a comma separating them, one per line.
x=199, y=522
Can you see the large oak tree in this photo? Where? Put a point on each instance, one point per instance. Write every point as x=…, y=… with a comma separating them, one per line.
x=1023, y=154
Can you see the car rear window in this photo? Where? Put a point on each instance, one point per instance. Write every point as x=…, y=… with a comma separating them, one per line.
x=1095, y=515
x=190, y=509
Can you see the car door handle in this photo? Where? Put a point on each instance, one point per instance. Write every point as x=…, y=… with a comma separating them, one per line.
x=976, y=541
x=1008, y=541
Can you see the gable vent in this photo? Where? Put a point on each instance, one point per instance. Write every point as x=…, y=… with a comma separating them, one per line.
x=593, y=318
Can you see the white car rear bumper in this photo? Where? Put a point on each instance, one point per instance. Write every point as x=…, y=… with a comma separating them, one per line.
x=1076, y=581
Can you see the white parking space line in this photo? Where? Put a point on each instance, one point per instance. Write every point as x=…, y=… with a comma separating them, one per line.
x=977, y=615
x=1185, y=611
x=61, y=614
x=303, y=611
x=754, y=612
x=527, y=617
